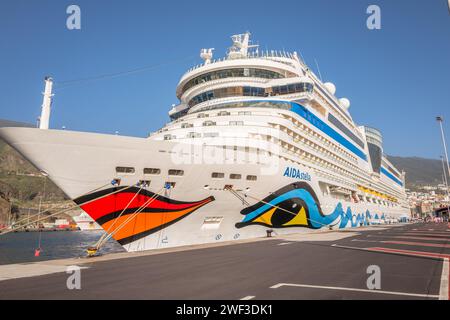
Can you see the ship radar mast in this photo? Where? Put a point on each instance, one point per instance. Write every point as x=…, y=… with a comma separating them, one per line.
x=241, y=44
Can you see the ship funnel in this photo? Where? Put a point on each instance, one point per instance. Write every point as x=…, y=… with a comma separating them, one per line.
x=46, y=104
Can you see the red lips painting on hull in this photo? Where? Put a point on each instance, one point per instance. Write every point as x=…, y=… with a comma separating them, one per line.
x=157, y=214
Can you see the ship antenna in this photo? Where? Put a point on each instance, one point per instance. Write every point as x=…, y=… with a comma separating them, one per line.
x=241, y=46
x=318, y=69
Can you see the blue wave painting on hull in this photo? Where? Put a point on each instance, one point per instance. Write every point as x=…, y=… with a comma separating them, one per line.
x=296, y=205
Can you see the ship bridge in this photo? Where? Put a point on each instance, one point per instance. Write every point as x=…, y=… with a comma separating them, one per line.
x=244, y=72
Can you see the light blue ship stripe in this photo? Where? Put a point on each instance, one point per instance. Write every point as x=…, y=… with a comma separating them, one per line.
x=319, y=124
x=391, y=176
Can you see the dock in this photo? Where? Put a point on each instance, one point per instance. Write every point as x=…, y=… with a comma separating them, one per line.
x=412, y=259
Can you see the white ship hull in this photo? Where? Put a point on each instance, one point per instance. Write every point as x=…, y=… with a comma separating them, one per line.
x=198, y=209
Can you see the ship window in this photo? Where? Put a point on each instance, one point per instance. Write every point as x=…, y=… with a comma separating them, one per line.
x=223, y=113
x=174, y=172
x=169, y=137
x=210, y=134
x=246, y=104
x=254, y=91
x=209, y=123
x=276, y=90
x=187, y=125
x=125, y=170
x=194, y=135
x=217, y=175
x=234, y=72
x=236, y=123
x=251, y=178
x=235, y=176
x=227, y=92
x=250, y=91
x=244, y=113
x=292, y=88
x=152, y=171
x=202, y=115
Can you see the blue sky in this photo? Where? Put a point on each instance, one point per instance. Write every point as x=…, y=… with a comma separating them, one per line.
x=396, y=78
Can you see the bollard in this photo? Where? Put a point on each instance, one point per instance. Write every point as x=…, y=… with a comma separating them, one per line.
x=269, y=233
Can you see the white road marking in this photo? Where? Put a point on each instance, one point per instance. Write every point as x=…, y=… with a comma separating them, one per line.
x=354, y=289
x=284, y=243
x=443, y=291
x=247, y=298
x=349, y=247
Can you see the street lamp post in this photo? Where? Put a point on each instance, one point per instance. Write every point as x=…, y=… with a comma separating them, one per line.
x=441, y=120
x=446, y=185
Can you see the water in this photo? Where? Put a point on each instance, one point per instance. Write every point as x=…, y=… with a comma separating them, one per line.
x=19, y=247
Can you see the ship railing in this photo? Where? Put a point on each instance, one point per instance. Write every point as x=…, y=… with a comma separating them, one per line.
x=254, y=55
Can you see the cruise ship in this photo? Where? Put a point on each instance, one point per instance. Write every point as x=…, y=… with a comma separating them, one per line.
x=86, y=223
x=257, y=144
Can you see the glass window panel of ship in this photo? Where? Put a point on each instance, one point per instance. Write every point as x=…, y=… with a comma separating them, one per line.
x=245, y=104
x=232, y=73
x=292, y=88
x=210, y=134
x=176, y=172
x=153, y=171
x=217, y=175
x=250, y=92
x=125, y=170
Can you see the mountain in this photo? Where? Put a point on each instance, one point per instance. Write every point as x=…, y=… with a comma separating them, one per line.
x=21, y=184
x=419, y=171
x=10, y=123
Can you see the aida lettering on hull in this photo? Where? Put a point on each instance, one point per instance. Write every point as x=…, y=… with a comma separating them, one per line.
x=296, y=173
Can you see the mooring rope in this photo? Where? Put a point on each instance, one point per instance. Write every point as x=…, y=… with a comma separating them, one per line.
x=124, y=223
x=115, y=220
x=38, y=214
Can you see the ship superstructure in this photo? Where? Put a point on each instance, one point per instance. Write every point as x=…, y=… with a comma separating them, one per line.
x=256, y=142
x=276, y=90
